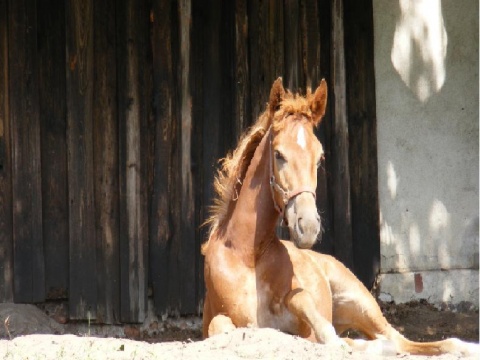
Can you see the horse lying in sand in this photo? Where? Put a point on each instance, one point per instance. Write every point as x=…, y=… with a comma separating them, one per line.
x=253, y=278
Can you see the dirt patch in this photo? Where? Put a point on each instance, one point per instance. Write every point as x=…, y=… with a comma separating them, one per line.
x=421, y=321
x=179, y=338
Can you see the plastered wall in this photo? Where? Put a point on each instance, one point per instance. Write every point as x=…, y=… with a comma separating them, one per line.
x=426, y=67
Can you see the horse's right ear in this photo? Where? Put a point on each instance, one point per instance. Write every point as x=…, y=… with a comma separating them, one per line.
x=318, y=103
x=276, y=96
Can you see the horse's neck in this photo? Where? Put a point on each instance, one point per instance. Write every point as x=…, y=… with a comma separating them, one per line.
x=252, y=225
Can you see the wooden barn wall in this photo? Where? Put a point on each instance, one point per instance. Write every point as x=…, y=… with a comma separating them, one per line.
x=113, y=115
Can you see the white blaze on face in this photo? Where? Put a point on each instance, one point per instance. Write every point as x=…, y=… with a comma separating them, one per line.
x=301, y=141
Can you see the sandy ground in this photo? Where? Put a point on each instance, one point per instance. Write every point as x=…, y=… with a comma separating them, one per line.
x=418, y=321
x=238, y=344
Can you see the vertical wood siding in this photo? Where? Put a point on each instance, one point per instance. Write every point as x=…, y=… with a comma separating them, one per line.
x=28, y=254
x=113, y=115
x=82, y=292
x=106, y=163
x=6, y=221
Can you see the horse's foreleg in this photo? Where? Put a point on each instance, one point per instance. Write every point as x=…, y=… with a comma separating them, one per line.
x=301, y=303
x=207, y=316
x=213, y=325
x=220, y=324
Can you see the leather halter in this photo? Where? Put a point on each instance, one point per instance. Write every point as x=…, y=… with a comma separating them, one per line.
x=287, y=195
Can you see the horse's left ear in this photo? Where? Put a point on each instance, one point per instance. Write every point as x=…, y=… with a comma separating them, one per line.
x=276, y=95
x=318, y=102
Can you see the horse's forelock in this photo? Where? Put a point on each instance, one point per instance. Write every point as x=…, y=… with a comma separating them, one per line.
x=292, y=104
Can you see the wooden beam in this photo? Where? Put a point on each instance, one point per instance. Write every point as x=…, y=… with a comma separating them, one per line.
x=185, y=219
x=241, y=80
x=294, y=76
x=29, y=267
x=6, y=221
x=163, y=103
x=51, y=58
x=324, y=131
x=260, y=69
x=197, y=79
x=310, y=40
x=83, y=272
x=360, y=75
x=342, y=220
x=133, y=34
x=105, y=142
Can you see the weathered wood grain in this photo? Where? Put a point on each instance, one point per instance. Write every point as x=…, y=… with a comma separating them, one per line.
x=6, y=221
x=294, y=76
x=29, y=266
x=52, y=112
x=185, y=219
x=324, y=131
x=164, y=115
x=106, y=182
x=79, y=82
x=241, y=80
x=113, y=116
x=342, y=218
x=132, y=32
x=360, y=77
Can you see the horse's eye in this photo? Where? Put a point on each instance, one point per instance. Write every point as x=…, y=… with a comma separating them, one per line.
x=279, y=156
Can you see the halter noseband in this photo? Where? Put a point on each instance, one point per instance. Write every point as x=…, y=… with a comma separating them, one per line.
x=287, y=195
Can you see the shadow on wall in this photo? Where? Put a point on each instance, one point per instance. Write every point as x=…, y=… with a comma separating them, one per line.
x=419, y=46
x=428, y=143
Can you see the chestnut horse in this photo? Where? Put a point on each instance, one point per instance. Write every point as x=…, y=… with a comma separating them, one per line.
x=254, y=279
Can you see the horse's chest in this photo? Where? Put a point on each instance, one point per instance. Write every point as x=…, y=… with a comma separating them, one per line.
x=249, y=300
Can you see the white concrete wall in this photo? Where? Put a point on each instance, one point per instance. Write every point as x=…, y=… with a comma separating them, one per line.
x=426, y=68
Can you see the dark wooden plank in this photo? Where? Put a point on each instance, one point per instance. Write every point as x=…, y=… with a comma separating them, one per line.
x=83, y=274
x=226, y=44
x=105, y=142
x=29, y=269
x=310, y=35
x=164, y=115
x=212, y=97
x=133, y=35
x=324, y=131
x=6, y=228
x=260, y=69
x=340, y=172
x=362, y=124
x=172, y=229
x=51, y=57
x=184, y=219
x=197, y=79
x=276, y=40
x=315, y=37
x=294, y=77
x=241, y=81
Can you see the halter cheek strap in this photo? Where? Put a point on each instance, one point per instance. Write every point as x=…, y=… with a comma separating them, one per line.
x=287, y=195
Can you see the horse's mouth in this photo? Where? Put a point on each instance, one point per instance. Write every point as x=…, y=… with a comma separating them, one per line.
x=304, y=240
x=304, y=223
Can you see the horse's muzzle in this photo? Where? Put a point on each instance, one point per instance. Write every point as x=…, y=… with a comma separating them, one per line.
x=304, y=223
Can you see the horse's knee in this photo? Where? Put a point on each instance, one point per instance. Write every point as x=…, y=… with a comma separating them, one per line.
x=301, y=303
x=220, y=324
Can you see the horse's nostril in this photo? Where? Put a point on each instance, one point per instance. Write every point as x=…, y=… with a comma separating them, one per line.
x=300, y=226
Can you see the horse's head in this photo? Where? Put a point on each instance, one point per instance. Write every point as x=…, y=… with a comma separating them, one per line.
x=295, y=154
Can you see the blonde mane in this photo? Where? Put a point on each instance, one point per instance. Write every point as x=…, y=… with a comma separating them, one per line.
x=229, y=178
